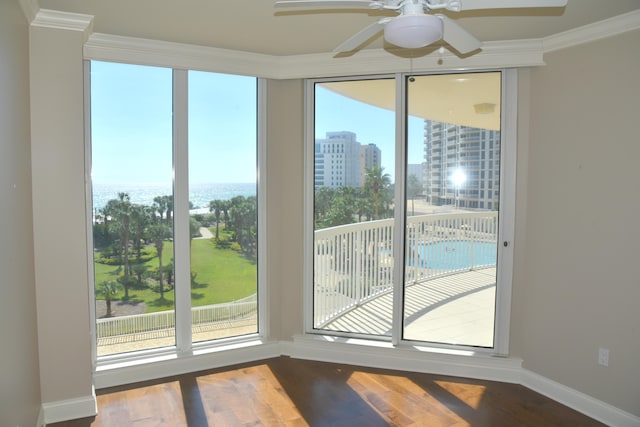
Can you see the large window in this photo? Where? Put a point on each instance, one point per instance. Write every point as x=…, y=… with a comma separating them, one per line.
x=174, y=206
x=407, y=211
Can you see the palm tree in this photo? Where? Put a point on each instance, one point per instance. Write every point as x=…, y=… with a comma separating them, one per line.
x=108, y=289
x=322, y=202
x=169, y=202
x=414, y=189
x=363, y=208
x=141, y=217
x=158, y=233
x=217, y=207
x=160, y=205
x=121, y=210
x=375, y=183
x=244, y=223
x=194, y=228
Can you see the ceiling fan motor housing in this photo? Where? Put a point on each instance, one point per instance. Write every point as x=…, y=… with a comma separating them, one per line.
x=413, y=31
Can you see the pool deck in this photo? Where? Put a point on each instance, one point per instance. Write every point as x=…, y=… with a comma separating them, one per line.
x=454, y=309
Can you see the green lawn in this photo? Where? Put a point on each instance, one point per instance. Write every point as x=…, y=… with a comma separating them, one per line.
x=222, y=275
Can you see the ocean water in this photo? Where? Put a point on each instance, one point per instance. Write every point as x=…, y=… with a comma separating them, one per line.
x=199, y=194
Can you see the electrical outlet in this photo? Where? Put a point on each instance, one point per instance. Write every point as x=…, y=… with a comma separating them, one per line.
x=603, y=356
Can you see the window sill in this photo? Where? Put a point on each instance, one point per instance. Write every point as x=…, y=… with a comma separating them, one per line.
x=379, y=354
x=149, y=365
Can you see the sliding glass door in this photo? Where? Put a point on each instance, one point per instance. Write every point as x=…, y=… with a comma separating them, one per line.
x=354, y=161
x=453, y=200
x=407, y=250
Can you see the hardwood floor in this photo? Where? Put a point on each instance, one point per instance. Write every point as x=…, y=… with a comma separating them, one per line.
x=291, y=392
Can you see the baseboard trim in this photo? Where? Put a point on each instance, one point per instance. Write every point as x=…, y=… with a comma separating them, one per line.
x=69, y=409
x=478, y=366
x=581, y=402
x=352, y=352
x=40, y=421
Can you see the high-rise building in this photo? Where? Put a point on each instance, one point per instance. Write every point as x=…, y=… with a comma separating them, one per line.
x=369, y=159
x=340, y=160
x=462, y=166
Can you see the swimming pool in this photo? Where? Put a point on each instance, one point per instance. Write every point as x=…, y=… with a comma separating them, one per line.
x=452, y=254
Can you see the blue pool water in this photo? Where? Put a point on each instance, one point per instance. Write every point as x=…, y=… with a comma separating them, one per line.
x=452, y=254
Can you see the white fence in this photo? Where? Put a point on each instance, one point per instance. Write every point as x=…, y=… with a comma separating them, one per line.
x=149, y=322
x=354, y=263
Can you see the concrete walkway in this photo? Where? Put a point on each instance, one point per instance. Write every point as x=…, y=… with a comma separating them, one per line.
x=205, y=233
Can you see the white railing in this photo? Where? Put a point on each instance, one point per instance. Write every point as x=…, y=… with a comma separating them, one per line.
x=149, y=322
x=353, y=263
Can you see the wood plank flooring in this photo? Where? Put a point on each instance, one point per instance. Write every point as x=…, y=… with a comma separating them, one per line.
x=291, y=392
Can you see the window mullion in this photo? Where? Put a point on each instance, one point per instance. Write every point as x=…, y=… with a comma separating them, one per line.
x=507, y=207
x=181, y=207
x=90, y=220
x=399, y=211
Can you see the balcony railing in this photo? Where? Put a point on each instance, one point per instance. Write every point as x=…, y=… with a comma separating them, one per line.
x=354, y=263
x=165, y=320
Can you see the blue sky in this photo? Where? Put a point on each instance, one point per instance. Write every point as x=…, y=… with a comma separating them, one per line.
x=372, y=125
x=132, y=125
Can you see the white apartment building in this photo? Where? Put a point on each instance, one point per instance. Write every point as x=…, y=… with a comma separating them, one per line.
x=341, y=160
x=472, y=155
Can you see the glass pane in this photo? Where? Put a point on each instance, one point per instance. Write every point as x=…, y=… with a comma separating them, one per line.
x=453, y=182
x=222, y=194
x=131, y=136
x=353, y=206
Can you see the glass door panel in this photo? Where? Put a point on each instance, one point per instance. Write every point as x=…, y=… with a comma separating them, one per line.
x=452, y=207
x=354, y=162
x=224, y=205
x=132, y=173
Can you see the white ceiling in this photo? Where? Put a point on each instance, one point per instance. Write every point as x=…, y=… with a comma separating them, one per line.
x=253, y=25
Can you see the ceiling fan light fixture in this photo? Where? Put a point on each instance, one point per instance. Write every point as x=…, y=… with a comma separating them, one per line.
x=413, y=31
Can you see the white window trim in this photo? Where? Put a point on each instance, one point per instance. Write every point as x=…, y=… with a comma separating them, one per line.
x=506, y=231
x=142, y=365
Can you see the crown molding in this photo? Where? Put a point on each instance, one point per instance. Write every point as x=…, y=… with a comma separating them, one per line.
x=496, y=54
x=30, y=9
x=521, y=53
x=106, y=47
x=593, y=32
x=46, y=18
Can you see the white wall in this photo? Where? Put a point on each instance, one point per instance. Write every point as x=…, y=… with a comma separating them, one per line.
x=580, y=288
x=19, y=380
x=59, y=214
x=285, y=150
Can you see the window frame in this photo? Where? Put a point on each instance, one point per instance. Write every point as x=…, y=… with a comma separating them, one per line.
x=506, y=224
x=184, y=346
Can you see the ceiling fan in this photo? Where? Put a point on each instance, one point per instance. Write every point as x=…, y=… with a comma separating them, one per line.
x=417, y=25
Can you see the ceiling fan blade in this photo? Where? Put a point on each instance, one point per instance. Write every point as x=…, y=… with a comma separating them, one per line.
x=360, y=37
x=457, y=37
x=502, y=4
x=323, y=4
